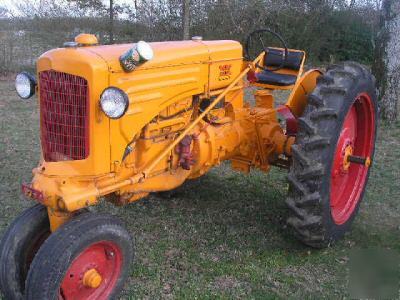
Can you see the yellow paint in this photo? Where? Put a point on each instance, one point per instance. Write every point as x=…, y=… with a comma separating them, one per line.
x=57, y=218
x=346, y=162
x=305, y=84
x=164, y=97
x=92, y=279
x=86, y=39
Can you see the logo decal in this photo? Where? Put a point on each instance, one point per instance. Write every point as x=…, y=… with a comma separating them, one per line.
x=225, y=72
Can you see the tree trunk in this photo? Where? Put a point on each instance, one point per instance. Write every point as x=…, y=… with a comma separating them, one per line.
x=387, y=60
x=111, y=25
x=186, y=18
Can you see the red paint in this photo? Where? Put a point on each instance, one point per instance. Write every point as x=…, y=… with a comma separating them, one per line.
x=186, y=159
x=64, y=109
x=291, y=121
x=251, y=76
x=30, y=192
x=225, y=70
x=358, y=131
x=106, y=258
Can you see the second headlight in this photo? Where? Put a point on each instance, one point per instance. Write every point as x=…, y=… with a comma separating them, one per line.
x=114, y=102
x=25, y=85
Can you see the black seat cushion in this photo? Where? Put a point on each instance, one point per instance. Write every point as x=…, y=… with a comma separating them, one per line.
x=273, y=58
x=272, y=78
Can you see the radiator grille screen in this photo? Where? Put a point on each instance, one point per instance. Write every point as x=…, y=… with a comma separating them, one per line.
x=64, y=113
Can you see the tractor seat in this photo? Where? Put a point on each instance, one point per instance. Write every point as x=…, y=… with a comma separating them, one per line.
x=272, y=78
x=273, y=58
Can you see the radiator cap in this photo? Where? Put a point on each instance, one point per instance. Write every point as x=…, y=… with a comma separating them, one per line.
x=86, y=39
x=197, y=38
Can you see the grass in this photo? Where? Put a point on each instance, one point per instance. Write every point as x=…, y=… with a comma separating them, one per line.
x=224, y=235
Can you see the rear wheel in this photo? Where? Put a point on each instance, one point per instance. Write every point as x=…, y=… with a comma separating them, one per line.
x=87, y=258
x=18, y=247
x=332, y=153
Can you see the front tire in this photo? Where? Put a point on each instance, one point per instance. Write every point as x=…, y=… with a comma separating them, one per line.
x=87, y=258
x=19, y=245
x=325, y=189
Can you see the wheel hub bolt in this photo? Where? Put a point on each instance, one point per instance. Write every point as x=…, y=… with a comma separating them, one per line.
x=92, y=279
x=347, y=153
x=365, y=161
x=110, y=254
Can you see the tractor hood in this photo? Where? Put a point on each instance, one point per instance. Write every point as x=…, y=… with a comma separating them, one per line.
x=186, y=68
x=172, y=53
x=166, y=54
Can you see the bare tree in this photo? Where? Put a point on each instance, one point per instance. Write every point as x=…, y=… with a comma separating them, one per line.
x=387, y=60
x=186, y=18
x=3, y=12
x=111, y=25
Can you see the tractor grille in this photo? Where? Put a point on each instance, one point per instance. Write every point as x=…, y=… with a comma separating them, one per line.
x=64, y=108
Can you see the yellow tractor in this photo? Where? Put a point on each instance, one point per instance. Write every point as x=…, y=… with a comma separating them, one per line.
x=118, y=122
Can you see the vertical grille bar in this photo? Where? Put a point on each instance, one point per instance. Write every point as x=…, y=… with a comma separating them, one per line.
x=64, y=109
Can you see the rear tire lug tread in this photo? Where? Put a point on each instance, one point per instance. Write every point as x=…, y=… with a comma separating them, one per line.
x=310, y=237
x=311, y=173
x=310, y=222
x=358, y=69
x=335, y=67
x=340, y=91
x=316, y=100
x=306, y=201
x=300, y=155
x=295, y=183
x=307, y=125
x=343, y=73
x=325, y=79
x=311, y=199
x=323, y=114
x=316, y=143
x=299, y=212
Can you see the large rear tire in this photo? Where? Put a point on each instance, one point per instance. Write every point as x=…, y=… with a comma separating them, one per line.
x=325, y=189
x=19, y=245
x=89, y=257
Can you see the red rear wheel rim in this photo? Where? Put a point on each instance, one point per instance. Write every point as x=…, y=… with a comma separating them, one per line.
x=106, y=258
x=358, y=132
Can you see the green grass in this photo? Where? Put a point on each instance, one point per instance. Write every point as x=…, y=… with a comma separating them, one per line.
x=222, y=236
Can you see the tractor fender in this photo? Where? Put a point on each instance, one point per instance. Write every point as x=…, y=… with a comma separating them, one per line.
x=297, y=100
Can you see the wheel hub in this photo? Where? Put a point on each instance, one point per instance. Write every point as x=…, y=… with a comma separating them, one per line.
x=93, y=273
x=92, y=278
x=346, y=162
x=352, y=159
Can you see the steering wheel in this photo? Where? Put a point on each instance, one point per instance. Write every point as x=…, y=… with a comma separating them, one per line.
x=256, y=37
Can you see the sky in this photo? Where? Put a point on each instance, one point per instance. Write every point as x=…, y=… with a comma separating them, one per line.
x=6, y=3
x=10, y=4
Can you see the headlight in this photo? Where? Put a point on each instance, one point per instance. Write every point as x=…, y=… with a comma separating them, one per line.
x=114, y=102
x=25, y=85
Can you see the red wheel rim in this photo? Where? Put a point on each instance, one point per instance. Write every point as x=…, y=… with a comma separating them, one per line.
x=106, y=258
x=347, y=185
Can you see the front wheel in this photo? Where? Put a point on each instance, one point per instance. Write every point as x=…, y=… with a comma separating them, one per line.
x=332, y=154
x=87, y=258
x=18, y=247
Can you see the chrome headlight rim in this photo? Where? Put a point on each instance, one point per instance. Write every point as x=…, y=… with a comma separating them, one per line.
x=125, y=99
x=32, y=84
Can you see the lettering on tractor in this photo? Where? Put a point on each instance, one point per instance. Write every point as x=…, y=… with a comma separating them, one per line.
x=225, y=72
x=118, y=122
